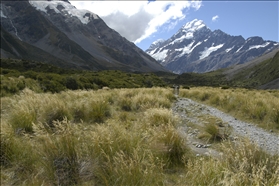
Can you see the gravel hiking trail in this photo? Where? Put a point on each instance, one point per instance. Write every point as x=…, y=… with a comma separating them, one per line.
x=194, y=115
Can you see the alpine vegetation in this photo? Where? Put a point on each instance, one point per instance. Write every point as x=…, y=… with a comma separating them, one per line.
x=115, y=137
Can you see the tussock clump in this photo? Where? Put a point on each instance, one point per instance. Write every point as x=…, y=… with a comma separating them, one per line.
x=98, y=111
x=125, y=103
x=176, y=151
x=22, y=118
x=160, y=117
x=57, y=113
x=216, y=133
x=61, y=160
x=79, y=113
x=214, y=130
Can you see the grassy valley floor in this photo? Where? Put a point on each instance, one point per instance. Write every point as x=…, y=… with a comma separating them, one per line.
x=124, y=137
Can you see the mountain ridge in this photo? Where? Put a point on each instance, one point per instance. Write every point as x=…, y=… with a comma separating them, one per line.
x=77, y=37
x=195, y=48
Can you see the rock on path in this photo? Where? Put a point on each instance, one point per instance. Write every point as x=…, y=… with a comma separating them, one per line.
x=268, y=141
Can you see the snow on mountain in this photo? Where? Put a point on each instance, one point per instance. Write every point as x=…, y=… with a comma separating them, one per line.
x=187, y=36
x=239, y=49
x=193, y=26
x=161, y=55
x=158, y=41
x=185, y=33
x=155, y=44
x=259, y=46
x=2, y=15
x=195, y=48
x=188, y=49
x=229, y=49
x=64, y=8
x=209, y=50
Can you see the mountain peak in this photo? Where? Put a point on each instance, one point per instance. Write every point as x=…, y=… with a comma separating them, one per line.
x=65, y=8
x=195, y=48
x=193, y=26
x=156, y=43
x=188, y=30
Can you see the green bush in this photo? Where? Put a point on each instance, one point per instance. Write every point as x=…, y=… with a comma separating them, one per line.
x=71, y=83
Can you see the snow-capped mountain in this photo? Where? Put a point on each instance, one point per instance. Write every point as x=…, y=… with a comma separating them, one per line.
x=195, y=48
x=58, y=33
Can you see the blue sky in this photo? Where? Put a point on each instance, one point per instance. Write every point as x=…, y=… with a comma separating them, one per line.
x=143, y=22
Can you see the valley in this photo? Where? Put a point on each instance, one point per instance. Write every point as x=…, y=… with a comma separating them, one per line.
x=82, y=105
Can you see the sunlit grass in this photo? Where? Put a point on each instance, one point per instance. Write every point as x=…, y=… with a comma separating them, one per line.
x=257, y=106
x=89, y=138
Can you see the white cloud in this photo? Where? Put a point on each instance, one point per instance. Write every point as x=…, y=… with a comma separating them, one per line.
x=214, y=18
x=137, y=20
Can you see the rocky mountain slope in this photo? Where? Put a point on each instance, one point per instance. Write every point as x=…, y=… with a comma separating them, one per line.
x=58, y=33
x=195, y=48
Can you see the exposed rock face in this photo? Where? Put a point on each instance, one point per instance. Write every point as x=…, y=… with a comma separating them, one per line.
x=195, y=48
x=74, y=37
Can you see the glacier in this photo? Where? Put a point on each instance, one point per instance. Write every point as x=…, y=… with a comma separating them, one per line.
x=161, y=55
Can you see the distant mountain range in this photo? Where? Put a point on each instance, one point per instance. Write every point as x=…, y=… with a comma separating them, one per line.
x=56, y=32
x=195, y=48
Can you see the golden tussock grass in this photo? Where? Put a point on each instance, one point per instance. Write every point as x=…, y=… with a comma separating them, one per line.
x=113, y=137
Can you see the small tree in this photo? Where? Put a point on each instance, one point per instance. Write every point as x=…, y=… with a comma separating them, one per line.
x=71, y=83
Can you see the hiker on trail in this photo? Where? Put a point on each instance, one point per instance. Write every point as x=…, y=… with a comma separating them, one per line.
x=176, y=89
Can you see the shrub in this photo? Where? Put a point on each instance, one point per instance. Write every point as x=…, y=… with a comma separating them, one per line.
x=225, y=87
x=52, y=86
x=71, y=83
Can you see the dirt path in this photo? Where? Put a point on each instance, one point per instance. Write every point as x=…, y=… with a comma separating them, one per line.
x=193, y=115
